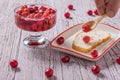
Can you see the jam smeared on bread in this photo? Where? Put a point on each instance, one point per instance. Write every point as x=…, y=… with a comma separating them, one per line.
x=97, y=38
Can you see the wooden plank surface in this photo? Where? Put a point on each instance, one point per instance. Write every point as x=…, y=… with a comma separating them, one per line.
x=34, y=62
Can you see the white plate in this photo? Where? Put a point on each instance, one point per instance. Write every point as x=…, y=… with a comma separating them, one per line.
x=70, y=33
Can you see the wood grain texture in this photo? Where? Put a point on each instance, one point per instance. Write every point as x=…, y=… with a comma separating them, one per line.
x=34, y=62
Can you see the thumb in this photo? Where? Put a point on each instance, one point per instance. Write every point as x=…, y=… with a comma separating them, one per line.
x=100, y=4
x=112, y=7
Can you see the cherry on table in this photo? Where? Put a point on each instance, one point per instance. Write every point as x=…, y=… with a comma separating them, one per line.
x=96, y=12
x=70, y=7
x=13, y=63
x=95, y=69
x=49, y=73
x=67, y=15
x=118, y=60
x=65, y=59
x=90, y=12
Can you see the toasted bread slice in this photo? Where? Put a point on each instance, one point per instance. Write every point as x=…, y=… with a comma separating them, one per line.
x=97, y=37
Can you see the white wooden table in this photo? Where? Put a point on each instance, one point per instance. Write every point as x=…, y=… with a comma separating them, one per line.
x=34, y=62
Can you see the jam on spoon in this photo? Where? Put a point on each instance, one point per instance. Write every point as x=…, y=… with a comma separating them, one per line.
x=90, y=25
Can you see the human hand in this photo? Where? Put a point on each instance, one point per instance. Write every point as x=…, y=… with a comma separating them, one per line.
x=108, y=7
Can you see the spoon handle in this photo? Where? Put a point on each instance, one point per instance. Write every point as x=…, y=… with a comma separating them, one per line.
x=100, y=18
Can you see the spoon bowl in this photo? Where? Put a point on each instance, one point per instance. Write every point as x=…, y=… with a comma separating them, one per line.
x=93, y=23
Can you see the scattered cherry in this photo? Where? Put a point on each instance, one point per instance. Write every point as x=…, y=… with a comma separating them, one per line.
x=118, y=60
x=90, y=12
x=60, y=40
x=96, y=12
x=49, y=73
x=94, y=53
x=13, y=63
x=65, y=59
x=86, y=39
x=95, y=69
x=70, y=7
x=86, y=28
x=67, y=15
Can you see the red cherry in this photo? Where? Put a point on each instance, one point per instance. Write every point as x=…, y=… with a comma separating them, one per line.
x=46, y=13
x=65, y=59
x=96, y=12
x=60, y=40
x=90, y=12
x=67, y=15
x=95, y=69
x=43, y=8
x=37, y=15
x=35, y=7
x=19, y=12
x=86, y=39
x=13, y=63
x=118, y=60
x=26, y=10
x=24, y=13
x=86, y=28
x=31, y=15
x=52, y=11
x=23, y=7
x=94, y=53
x=49, y=73
x=70, y=7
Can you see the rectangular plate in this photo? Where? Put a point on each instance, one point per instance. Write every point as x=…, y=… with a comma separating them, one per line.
x=69, y=36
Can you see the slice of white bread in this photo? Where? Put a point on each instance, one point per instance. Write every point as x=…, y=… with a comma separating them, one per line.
x=97, y=37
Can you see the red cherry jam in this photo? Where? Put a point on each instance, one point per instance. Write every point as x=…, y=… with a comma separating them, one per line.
x=49, y=73
x=86, y=28
x=35, y=18
x=86, y=39
x=36, y=43
x=13, y=63
x=95, y=69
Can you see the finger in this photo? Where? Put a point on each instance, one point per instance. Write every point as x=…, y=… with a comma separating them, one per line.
x=106, y=1
x=100, y=6
x=112, y=8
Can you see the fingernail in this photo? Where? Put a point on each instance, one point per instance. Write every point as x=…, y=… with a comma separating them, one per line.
x=110, y=13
